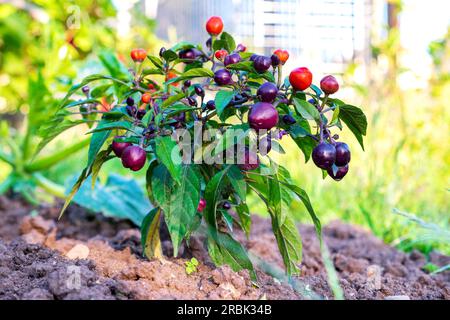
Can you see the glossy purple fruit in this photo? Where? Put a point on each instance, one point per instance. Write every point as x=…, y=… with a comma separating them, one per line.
x=130, y=101
x=199, y=91
x=226, y=205
x=250, y=160
x=267, y=92
x=189, y=54
x=262, y=64
x=209, y=43
x=288, y=119
x=222, y=77
x=134, y=158
x=192, y=101
x=275, y=60
x=187, y=84
x=324, y=155
x=211, y=105
x=253, y=57
x=131, y=110
x=343, y=155
x=263, y=115
x=140, y=114
x=340, y=173
x=265, y=145
x=119, y=147
x=232, y=59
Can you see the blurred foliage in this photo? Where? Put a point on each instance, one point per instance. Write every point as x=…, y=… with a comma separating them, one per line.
x=43, y=46
x=406, y=163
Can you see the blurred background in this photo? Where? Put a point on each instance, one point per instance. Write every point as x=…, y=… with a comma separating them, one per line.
x=392, y=58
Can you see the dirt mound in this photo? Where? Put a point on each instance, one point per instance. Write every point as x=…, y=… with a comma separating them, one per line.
x=109, y=255
x=30, y=271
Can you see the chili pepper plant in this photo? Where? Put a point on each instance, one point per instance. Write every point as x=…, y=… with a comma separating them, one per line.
x=203, y=125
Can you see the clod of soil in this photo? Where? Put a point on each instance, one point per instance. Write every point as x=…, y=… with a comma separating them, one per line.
x=115, y=269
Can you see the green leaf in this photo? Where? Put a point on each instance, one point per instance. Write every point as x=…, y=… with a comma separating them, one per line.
x=83, y=176
x=307, y=203
x=97, y=141
x=100, y=159
x=50, y=130
x=237, y=180
x=335, y=117
x=289, y=243
x=168, y=153
x=108, y=125
x=316, y=89
x=172, y=99
x=183, y=45
x=222, y=99
x=232, y=136
x=151, y=243
x=244, y=217
x=228, y=41
x=212, y=194
x=224, y=249
x=242, y=66
x=179, y=202
x=306, y=109
x=156, y=61
x=355, y=120
x=274, y=198
x=170, y=55
x=192, y=73
x=148, y=71
x=119, y=197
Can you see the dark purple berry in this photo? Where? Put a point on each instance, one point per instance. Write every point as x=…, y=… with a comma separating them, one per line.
x=263, y=115
x=250, y=160
x=199, y=91
x=241, y=48
x=209, y=43
x=222, y=77
x=288, y=119
x=267, y=92
x=140, y=114
x=86, y=90
x=343, y=155
x=131, y=110
x=119, y=147
x=226, y=205
x=253, y=57
x=232, y=59
x=262, y=63
x=189, y=54
x=130, y=101
x=324, y=155
x=192, y=101
x=340, y=173
x=211, y=105
x=275, y=60
x=134, y=157
x=161, y=51
x=265, y=145
x=187, y=83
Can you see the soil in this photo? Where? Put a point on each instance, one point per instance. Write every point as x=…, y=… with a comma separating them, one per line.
x=88, y=256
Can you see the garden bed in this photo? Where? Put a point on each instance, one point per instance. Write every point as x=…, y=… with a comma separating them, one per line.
x=38, y=254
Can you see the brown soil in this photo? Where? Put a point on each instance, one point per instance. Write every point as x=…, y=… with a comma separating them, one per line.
x=38, y=256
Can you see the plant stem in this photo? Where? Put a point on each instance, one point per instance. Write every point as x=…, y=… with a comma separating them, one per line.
x=5, y=158
x=49, y=186
x=280, y=75
x=49, y=161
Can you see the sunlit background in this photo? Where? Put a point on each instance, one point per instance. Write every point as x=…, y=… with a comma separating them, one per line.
x=392, y=58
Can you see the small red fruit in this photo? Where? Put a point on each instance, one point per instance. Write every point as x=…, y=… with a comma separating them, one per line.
x=138, y=55
x=221, y=54
x=329, y=85
x=282, y=54
x=134, y=157
x=214, y=25
x=201, y=205
x=146, y=98
x=300, y=78
x=119, y=147
x=171, y=75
